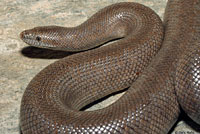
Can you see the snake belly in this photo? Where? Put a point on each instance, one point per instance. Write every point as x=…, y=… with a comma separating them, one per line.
x=169, y=74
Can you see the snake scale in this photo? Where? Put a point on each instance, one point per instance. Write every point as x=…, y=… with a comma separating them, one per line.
x=167, y=61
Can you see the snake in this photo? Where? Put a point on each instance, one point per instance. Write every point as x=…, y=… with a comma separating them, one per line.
x=158, y=61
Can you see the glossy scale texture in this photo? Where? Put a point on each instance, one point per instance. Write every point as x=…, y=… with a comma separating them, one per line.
x=170, y=77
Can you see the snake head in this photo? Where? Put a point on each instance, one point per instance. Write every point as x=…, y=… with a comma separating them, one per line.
x=43, y=37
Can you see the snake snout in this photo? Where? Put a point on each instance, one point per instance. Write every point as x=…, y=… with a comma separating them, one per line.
x=22, y=34
x=28, y=37
x=25, y=35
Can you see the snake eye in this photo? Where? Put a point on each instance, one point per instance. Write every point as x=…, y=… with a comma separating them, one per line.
x=38, y=38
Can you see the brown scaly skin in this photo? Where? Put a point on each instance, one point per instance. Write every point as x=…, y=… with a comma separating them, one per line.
x=52, y=100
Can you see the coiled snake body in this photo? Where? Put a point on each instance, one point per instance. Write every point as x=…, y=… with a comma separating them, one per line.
x=53, y=99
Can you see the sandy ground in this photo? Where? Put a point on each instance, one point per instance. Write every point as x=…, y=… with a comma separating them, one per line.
x=20, y=63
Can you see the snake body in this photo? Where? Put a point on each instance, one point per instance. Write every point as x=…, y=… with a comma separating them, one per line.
x=169, y=75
